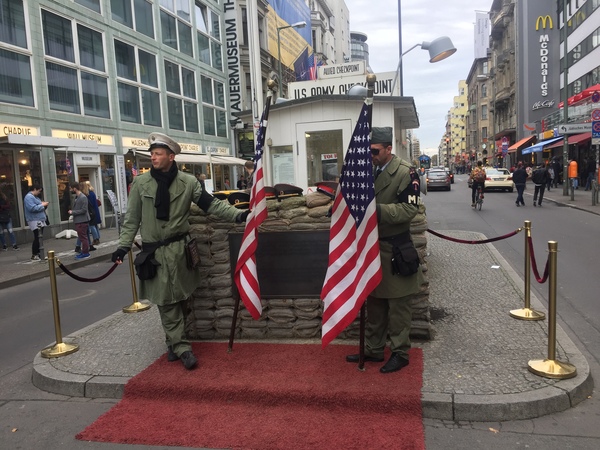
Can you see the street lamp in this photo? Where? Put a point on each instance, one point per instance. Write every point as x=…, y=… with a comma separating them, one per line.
x=294, y=25
x=439, y=49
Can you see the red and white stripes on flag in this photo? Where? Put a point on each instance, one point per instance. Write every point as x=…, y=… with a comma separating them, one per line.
x=354, y=268
x=245, y=275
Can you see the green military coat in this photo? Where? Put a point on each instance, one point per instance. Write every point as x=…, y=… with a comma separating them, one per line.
x=173, y=282
x=394, y=218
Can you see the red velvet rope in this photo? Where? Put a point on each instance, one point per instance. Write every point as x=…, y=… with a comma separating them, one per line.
x=86, y=280
x=485, y=241
x=539, y=279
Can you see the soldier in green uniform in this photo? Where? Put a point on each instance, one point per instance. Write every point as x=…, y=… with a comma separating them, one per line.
x=159, y=206
x=389, y=311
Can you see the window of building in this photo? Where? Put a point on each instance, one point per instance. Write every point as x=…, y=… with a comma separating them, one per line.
x=16, y=84
x=12, y=23
x=182, y=100
x=137, y=83
x=484, y=68
x=483, y=90
x=136, y=14
x=484, y=133
x=484, y=112
x=94, y=5
x=208, y=33
x=176, y=33
x=77, y=80
x=213, y=107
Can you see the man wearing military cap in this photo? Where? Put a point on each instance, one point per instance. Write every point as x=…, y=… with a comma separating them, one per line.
x=159, y=207
x=397, y=200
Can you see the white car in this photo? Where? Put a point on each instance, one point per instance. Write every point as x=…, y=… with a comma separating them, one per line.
x=498, y=179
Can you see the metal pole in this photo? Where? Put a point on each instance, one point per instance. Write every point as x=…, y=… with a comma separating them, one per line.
x=280, y=81
x=565, y=101
x=400, y=76
x=136, y=306
x=60, y=348
x=526, y=313
x=551, y=367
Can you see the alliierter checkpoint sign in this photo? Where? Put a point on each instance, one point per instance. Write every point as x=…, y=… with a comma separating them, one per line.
x=341, y=86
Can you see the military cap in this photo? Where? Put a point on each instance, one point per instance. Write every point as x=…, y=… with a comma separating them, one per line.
x=382, y=135
x=221, y=195
x=239, y=199
x=287, y=190
x=162, y=140
x=329, y=188
x=270, y=193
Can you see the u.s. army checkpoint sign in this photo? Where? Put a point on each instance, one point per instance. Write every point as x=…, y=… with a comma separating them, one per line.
x=341, y=86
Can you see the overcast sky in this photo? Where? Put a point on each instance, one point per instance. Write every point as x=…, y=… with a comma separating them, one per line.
x=433, y=86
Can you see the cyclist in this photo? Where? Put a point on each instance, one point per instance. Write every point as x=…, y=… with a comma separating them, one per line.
x=478, y=178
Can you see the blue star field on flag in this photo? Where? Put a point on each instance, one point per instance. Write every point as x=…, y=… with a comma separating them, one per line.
x=357, y=174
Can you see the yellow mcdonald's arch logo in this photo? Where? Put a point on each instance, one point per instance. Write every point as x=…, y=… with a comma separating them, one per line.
x=545, y=21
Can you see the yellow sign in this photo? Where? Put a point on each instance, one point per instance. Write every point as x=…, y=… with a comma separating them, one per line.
x=217, y=150
x=23, y=130
x=129, y=142
x=544, y=21
x=290, y=42
x=190, y=148
x=102, y=139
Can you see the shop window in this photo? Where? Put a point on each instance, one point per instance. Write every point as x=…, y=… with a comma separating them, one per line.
x=8, y=187
x=64, y=176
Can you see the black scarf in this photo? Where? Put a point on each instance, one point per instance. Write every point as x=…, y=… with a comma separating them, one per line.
x=164, y=180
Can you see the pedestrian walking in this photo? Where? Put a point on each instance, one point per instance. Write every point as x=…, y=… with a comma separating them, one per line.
x=540, y=178
x=81, y=219
x=519, y=177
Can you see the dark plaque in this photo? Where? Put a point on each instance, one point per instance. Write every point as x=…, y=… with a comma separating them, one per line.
x=289, y=263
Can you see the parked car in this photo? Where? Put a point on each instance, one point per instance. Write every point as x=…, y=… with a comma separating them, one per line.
x=438, y=179
x=500, y=179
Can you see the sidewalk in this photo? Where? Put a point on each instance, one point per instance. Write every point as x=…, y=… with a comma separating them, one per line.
x=475, y=367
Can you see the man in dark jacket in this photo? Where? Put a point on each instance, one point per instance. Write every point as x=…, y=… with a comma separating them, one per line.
x=519, y=177
x=389, y=311
x=81, y=219
x=540, y=179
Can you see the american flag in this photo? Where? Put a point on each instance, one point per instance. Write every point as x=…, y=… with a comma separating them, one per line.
x=245, y=275
x=134, y=171
x=354, y=268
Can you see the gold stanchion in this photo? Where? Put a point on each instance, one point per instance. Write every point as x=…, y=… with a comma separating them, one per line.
x=136, y=306
x=60, y=348
x=551, y=367
x=527, y=313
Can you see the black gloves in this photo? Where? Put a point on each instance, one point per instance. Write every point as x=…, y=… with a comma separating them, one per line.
x=242, y=217
x=119, y=254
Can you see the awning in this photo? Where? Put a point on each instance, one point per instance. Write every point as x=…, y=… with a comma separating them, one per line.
x=574, y=139
x=196, y=158
x=78, y=145
x=540, y=145
x=520, y=144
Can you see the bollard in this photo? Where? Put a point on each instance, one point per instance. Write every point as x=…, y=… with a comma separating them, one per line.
x=527, y=313
x=551, y=367
x=60, y=348
x=136, y=306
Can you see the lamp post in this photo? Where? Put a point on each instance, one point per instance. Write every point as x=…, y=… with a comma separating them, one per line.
x=565, y=178
x=439, y=49
x=294, y=25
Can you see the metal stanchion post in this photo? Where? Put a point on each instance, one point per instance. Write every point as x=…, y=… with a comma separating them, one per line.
x=136, y=306
x=527, y=313
x=60, y=348
x=551, y=367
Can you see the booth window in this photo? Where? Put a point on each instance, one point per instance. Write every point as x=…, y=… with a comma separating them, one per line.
x=325, y=155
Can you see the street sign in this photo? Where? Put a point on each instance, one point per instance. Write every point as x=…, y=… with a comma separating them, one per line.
x=596, y=129
x=574, y=128
x=596, y=97
x=596, y=114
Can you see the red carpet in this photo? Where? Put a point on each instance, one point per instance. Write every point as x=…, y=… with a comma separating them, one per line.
x=268, y=396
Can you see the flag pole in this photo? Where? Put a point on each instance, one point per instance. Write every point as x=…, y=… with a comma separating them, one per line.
x=270, y=89
x=371, y=78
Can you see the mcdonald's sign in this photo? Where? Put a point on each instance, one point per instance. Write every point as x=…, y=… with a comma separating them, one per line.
x=544, y=21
